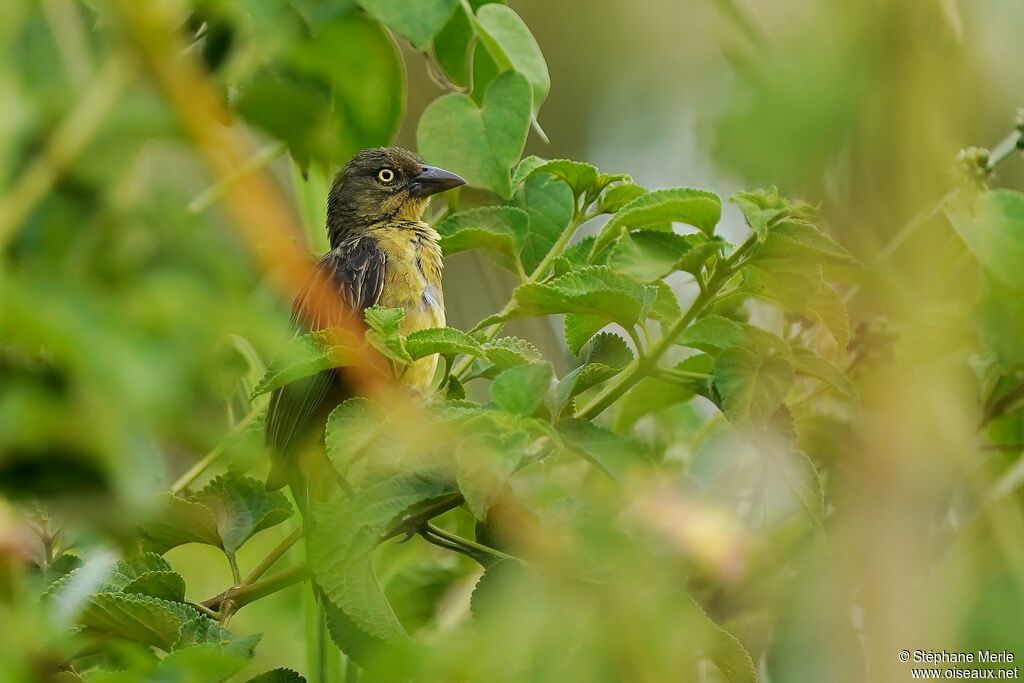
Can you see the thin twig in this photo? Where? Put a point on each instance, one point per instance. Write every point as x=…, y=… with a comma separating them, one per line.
x=241, y=596
x=275, y=555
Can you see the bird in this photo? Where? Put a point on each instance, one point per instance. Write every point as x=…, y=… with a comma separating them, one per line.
x=381, y=253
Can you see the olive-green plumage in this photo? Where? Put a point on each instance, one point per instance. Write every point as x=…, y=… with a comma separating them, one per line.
x=382, y=253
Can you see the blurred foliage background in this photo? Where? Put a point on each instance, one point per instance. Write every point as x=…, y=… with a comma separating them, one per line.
x=164, y=167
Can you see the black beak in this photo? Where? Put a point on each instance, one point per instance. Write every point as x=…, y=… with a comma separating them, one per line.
x=433, y=180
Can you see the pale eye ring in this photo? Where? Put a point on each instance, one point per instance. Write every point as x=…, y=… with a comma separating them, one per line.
x=386, y=175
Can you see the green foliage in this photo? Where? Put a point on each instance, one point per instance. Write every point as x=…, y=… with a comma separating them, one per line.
x=670, y=468
x=480, y=143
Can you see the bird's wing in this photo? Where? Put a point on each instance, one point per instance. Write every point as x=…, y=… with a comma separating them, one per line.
x=354, y=272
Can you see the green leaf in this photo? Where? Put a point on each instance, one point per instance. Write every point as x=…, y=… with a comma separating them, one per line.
x=485, y=462
x=446, y=341
x=803, y=291
x=613, y=453
x=652, y=254
x=609, y=355
x=993, y=229
x=166, y=585
x=525, y=168
x=480, y=144
x=578, y=329
x=344, y=533
x=714, y=333
x=794, y=239
x=549, y=203
x=752, y=385
x=339, y=91
x=279, y=675
x=307, y=355
x=806, y=362
x=580, y=176
x=520, y=390
x=384, y=333
x=502, y=229
x=699, y=208
x=351, y=427
x=452, y=45
x=650, y=395
x=138, y=618
x=418, y=22
x=506, y=352
x=762, y=208
x=1001, y=322
x=593, y=291
x=511, y=45
x=242, y=507
x=620, y=195
x=179, y=521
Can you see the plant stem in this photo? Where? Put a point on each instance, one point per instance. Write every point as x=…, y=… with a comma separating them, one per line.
x=579, y=218
x=466, y=543
x=642, y=367
x=273, y=557
x=412, y=525
x=196, y=470
x=240, y=596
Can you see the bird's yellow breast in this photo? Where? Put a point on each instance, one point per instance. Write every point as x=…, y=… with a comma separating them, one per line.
x=412, y=281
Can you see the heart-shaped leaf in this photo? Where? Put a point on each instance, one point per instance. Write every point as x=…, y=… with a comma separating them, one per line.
x=511, y=45
x=480, y=144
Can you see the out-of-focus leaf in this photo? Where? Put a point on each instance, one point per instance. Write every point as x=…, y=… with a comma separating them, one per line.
x=1001, y=322
x=351, y=427
x=339, y=91
x=303, y=356
x=520, y=390
x=549, y=203
x=699, y=208
x=613, y=453
x=803, y=291
x=808, y=363
x=280, y=675
x=511, y=45
x=418, y=22
x=485, y=462
x=479, y=143
x=344, y=533
x=993, y=229
x=752, y=385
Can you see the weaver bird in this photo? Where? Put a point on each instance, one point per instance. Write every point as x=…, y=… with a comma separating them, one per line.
x=381, y=253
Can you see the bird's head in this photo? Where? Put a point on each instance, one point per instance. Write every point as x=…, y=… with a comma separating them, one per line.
x=384, y=183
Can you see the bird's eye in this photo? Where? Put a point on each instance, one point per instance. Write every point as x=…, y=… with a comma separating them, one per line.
x=385, y=175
